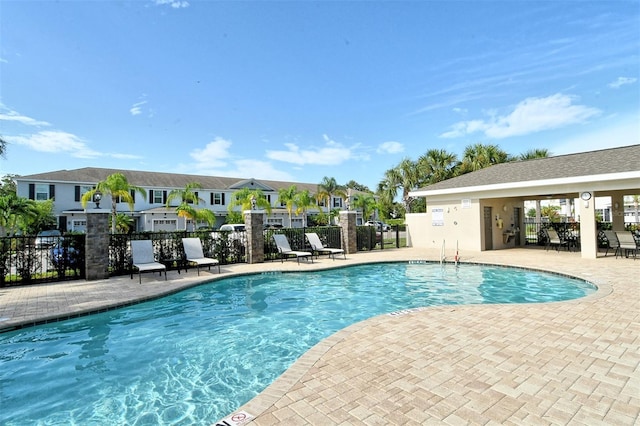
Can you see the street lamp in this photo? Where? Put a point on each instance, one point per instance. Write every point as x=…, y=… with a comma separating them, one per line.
x=97, y=196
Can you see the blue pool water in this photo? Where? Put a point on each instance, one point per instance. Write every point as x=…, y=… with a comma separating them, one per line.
x=196, y=356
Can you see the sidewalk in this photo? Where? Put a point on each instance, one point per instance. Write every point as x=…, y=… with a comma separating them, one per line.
x=575, y=362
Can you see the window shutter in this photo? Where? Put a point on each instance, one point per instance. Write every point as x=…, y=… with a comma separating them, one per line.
x=52, y=191
x=211, y=198
x=77, y=193
x=223, y=202
x=133, y=195
x=164, y=197
x=32, y=191
x=151, y=196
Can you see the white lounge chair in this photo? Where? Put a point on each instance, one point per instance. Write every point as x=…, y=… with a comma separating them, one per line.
x=627, y=244
x=142, y=258
x=195, y=255
x=318, y=247
x=285, y=249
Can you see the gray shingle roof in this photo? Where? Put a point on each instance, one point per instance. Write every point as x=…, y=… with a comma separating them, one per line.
x=592, y=163
x=93, y=175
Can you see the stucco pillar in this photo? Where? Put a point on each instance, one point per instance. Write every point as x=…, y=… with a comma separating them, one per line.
x=588, y=229
x=617, y=211
x=253, y=222
x=349, y=237
x=97, y=244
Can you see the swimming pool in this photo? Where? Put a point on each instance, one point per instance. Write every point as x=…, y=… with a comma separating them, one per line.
x=196, y=356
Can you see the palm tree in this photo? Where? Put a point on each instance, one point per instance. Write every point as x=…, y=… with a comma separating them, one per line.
x=479, y=156
x=304, y=200
x=534, y=153
x=367, y=203
x=244, y=197
x=437, y=165
x=3, y=147
x=327, y=188
x=405, y=176
x=287, y=196
x=188, y=198
x=118, y=188
x=14, y=213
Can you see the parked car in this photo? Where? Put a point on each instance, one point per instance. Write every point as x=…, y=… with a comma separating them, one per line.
x=64, y=256
x=234, y=227
x=378, y=225
x=47, y=238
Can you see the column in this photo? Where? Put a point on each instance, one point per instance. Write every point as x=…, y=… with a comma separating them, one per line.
x=97, y=244
x=253, y=222
x=349, y=237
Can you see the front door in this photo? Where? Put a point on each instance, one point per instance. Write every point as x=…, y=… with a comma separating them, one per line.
x=488, y=229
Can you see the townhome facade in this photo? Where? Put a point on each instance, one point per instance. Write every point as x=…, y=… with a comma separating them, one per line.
x=150, y=213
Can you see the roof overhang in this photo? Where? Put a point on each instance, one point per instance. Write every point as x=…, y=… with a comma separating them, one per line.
x=555, y=188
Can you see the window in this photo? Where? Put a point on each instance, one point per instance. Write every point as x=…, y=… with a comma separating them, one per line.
x=80, y=190
x=157, y=197
x=217, y=198
x=337, y=202
x=42, y=192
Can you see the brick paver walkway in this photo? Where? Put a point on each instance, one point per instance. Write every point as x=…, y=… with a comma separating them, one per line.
x=575, y=362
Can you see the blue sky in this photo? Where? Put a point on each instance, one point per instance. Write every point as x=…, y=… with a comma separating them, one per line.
x=300, y=90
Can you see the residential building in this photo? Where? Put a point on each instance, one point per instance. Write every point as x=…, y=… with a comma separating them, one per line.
x=150, y=213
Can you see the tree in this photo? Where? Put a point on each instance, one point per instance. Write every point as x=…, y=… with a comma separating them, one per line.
x=327, y=189
x=534, y=153
x=304, y=200
x=118, y=188
x=356, y=186
x=3, y=147
x=16, y=213
x=287, y=196
x=244, y=197
x=188, y=199
x=479, y=156
x=124, y=223
x=405, y=176
x=437, y=165
x=367, y=203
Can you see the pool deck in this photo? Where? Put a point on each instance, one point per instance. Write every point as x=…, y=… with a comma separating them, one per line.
x=575, y=362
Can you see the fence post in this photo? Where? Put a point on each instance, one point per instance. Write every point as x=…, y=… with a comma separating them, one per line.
x=349, y=236
x=97, y=244
x=253, y=222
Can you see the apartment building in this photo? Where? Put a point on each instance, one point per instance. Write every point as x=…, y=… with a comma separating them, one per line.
x=150, y=213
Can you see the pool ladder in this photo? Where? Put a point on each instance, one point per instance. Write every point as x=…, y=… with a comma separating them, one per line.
x=443, y=256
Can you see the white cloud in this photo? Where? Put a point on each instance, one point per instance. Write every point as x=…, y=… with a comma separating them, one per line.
x=176, y=4
x=621, y=81
x=136, y=109
x=59, y=142
x=22, y=119
x=390, y=147
x=332, y=153
x=215, y=159
x=55, y=141
x=530, y=116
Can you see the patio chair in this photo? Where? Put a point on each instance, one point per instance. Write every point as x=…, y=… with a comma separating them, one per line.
x=553, y=239
x=627, y=244
x=318, y=247
x=195, y=255
x=142, y=258
x=612, y=242
x=285, y=249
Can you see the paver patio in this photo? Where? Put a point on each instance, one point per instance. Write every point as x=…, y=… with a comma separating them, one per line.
x=575, y=362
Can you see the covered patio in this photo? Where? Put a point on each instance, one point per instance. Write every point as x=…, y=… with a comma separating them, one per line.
x=485, y=210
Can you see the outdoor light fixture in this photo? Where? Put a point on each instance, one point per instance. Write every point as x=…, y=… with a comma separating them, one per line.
x=97, y=196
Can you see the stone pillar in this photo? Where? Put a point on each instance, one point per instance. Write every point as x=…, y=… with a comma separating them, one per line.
x=253, y=221
x=97, y=244
x=349, y=237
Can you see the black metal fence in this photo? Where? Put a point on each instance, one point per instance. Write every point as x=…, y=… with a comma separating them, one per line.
x=26, y=260
x=30, y=260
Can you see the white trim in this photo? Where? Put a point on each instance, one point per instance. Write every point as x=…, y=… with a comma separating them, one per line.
x=581, y=182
